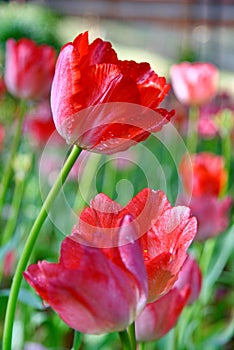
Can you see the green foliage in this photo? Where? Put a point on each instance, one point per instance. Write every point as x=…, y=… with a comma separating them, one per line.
x=30, y=21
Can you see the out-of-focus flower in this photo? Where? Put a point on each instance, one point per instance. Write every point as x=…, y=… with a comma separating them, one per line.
x=191, y=275
x=212, y=215
x=94, y=290
x=2, y=136
x=165, y=233
x=40, y=126
x=9, y=263
x=101, y=103
x=203, y=174
x=194, y=83
x=210, y=121
x=159, y=317
x=29, y=68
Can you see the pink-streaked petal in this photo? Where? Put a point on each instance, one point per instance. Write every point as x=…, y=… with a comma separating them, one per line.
x=191, y=275
x=159, y=317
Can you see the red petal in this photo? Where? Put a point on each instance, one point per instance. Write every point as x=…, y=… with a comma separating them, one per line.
x=146, y=207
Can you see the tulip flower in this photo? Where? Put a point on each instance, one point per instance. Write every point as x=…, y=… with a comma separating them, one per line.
x=212, y=116
x=164, y=233
x=29, y=69
x=94, y=290
x=203, y=174
x=101, y=103
x=212, y=215
x=39, y=125
x=159, y=317
x=9, y=263
x=194, y=83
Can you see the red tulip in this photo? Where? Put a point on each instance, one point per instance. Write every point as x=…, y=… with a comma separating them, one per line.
x=194, y=83
x=94, y=290
x=203, y=174
x=40, y=126
x=29, y=69
x=164, y=233
x=159, y=317
x=104, y=104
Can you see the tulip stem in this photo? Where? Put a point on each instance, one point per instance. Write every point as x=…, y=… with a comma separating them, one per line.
x=124, y=340
x=14, y=147
x=142, y=346
x=132, y=335
x=192, y=135
x=77, y=341
x=32, y=237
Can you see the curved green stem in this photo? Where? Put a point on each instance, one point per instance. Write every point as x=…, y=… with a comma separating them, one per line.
x=14, y=147
x=11, y=306
x=77, y=341
x=126, y=345
x=132, y=335
x=192, y=136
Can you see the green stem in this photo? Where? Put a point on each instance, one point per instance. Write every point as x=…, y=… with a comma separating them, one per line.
x=14, y=147
x=192, y=136
x=77, y=341
x=142, y=346
x=126, y=345
x=11, y=306
x=14, y=211
x=132, y=335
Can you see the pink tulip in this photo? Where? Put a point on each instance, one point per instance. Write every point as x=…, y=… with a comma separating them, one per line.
x=194, y=83
x=29, y=69
x=160, y=317
x=212, y=215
